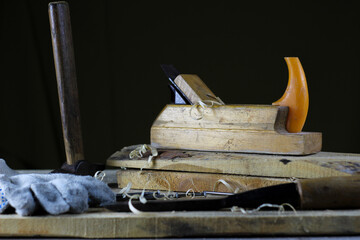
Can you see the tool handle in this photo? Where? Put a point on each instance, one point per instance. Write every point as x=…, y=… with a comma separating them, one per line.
x=64, y=60
x=330, y=193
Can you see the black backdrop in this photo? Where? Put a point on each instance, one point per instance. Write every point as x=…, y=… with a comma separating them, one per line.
x=236, y=48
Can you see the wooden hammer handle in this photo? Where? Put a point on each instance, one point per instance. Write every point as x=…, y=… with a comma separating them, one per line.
x=330, y=193
x=64, y=60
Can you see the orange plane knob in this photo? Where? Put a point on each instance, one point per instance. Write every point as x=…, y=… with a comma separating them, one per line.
x=296, y=96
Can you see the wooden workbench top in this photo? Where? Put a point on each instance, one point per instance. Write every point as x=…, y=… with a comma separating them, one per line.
x=99, y=223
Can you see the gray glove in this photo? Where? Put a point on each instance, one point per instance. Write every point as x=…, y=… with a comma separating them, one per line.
x=55, y=193
x=4, y=169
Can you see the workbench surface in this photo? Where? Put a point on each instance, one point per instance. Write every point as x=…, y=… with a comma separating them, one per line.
x=100, y=223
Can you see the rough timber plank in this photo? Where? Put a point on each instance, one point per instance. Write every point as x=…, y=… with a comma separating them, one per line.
x=322, y=164
x=183, y=181
x=183, y=224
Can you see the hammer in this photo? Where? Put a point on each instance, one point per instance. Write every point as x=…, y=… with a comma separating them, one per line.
x=64, y=59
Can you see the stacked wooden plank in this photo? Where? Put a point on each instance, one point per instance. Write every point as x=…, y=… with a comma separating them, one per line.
x=180, y=170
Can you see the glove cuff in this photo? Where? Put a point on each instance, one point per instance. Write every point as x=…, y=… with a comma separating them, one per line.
x=6, y=170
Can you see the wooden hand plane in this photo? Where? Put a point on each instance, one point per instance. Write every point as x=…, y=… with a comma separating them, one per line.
x=271, y=129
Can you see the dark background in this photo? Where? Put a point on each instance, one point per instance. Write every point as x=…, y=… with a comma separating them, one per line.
x=236, y=48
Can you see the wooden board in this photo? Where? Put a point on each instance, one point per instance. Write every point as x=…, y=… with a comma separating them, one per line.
x=102, y=224
x=322, y=164
x=198, y=182
x=231, y=128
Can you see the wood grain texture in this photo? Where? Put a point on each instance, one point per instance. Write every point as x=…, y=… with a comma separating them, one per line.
x=103, y=224
x=231, y=128
x=322, y=164
x=64, y=60
x=234, y=117
x=194, y=88
x=236, y=140
x=183, y=181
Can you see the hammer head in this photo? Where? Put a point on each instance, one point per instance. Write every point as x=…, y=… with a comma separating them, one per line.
x=81, y=167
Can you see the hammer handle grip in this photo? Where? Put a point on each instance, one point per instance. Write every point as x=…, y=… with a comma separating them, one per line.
x=64, y=60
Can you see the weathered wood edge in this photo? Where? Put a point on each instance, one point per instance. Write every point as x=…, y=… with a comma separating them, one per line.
x=183, y=224
x=183, y=181
x=242, y=141
x=322, y=164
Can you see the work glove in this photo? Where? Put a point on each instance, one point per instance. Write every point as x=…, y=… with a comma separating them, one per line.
x=55, y=193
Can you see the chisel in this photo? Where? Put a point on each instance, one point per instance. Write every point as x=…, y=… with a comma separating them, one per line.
x=152, y=195
x=319, y=193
